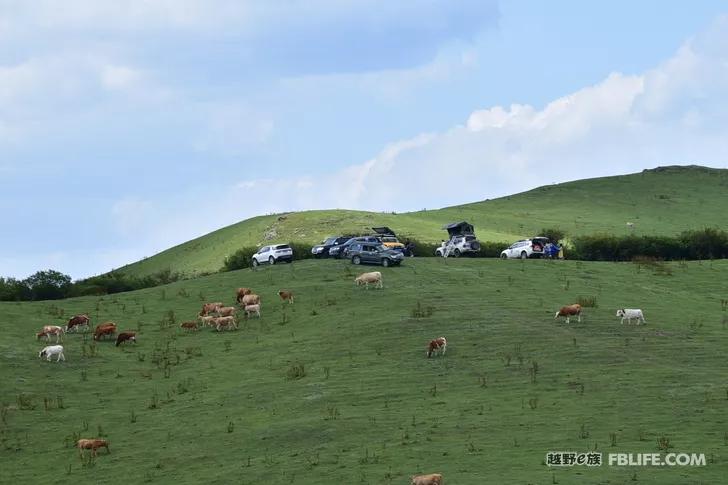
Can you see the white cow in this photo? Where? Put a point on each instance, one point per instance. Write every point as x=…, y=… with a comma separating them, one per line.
x=629, y=314
x=252, y=309
x=50, y=350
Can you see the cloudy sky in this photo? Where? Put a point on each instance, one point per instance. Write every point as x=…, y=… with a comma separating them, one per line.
x=128, y=126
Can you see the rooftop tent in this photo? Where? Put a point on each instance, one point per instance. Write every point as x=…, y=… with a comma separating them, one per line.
x=459, y=228
x=383, y=230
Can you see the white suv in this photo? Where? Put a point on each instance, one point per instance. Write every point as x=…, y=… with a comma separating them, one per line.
x=273, y=254
x=458, y=245
x=527, y=248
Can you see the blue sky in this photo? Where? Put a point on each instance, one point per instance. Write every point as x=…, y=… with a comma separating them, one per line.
x=128, y=127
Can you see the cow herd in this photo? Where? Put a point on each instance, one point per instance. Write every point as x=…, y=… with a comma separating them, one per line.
x=220, y=317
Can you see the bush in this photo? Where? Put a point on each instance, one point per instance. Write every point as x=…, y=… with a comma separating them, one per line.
x=554, y=234
x=301, y=250
x=701, y=244
x=239, y=259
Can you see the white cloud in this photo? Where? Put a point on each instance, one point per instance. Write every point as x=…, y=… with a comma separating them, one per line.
x=622, y=124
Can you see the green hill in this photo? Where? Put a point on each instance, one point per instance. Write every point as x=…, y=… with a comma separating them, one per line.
x=662, y=201
x=336, y=388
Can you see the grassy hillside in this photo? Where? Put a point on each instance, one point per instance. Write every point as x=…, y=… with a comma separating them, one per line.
x=218, y=408
x=661, y=201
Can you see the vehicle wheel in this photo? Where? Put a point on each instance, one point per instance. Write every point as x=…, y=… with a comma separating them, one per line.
x=385, y=262
x=524, y=255
x=504, y=256
x=272, y=260
x=356, y=260
x=456, y=253
x=438, y=253
x=255, y=262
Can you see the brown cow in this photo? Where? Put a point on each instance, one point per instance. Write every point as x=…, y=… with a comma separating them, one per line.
x=78, y=321
x=93, y=445
x=226, y=311
x=437, y=345
x=49, y=330
x=286, y=295
x=189, y=326
x=228, y=322
x=431, y=479
x=126, y=337
x=207, y=321
x=569, y=311
x=251, y=299
x=104, y=329
x=208, y=308
x=241, y=292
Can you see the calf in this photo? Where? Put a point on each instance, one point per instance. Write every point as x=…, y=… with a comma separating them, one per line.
x=50, y=350
x=78, y=321
x=104, y=329
x=93, y=445
x=125, y=337
x=240, y=293
x=431, y=479
x=629, y=314
x=189, y=326
x=250, y=309
x=569, y=311
x=437, y=345
x=286, y=295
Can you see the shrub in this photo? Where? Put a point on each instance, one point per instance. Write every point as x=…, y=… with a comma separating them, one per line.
x=700, y=244
x=239, y=259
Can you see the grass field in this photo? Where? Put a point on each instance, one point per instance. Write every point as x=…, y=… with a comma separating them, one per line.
x=371, y=408
x=662, y=201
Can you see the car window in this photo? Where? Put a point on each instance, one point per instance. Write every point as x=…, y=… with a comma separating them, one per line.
x=263, y=249
x=283, y=246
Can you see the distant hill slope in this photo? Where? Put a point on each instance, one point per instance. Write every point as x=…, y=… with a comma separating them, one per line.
x=665, y=200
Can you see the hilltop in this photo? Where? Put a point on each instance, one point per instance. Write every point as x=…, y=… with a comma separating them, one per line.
x=660, y=201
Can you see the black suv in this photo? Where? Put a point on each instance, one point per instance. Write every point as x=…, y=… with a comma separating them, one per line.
x=340, y=251
x=375, y=253
x=322, y=250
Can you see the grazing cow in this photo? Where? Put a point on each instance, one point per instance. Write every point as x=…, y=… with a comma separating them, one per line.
x=50, y=350
x=49, y=330
x=93, y=445
x=250, y=309
x=240, y=293
x=374, y=277
x=629, y=314
x=207, y=321
x=432, y=479
x=286, y=295
x=437, y=345
x=125, y=337
x=226, y=311
x=251, y=299
x=190, y=326
x=208, y=308
x=569, y=311
x=104, y=329
x=78, y=321
x=228, y=322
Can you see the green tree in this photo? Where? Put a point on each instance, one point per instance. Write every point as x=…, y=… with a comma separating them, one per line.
x=48, y=285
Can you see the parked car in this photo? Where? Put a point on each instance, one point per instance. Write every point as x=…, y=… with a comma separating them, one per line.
x=322, y=250
x=374, y=253
x=526, y=248
x=340, y=250
x=388, y=238
x=273, y=254
x=462, y=241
